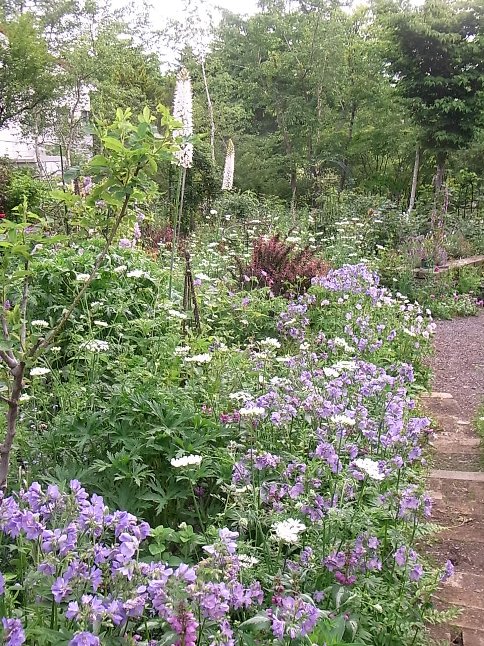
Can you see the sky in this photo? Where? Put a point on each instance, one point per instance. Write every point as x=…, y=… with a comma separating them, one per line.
x=163, y=9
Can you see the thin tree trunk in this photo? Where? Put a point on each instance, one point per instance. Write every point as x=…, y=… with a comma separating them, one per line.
x=210, y=111
x=6, y=447
x=439, y=172
x=351, y=127
x=413, y=191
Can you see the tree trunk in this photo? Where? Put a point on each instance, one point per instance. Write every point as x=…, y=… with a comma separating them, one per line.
x=413, y=191
x=439, y=172
x=6, y=447
x=351, y=126
x=210, y=111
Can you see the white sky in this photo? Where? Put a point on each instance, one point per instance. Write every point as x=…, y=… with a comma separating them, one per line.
x=163, y=9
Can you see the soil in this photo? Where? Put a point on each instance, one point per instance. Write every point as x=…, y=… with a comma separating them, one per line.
x=458, y=363
x=457, y=480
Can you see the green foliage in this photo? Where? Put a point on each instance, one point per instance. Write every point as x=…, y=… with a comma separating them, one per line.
x=436, y=59
x=26, y=67
x=23, y=186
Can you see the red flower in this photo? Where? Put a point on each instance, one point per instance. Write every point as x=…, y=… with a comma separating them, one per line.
x=2, y=216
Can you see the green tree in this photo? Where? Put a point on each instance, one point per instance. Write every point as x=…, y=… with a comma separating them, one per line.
x=437, y=60
x=26, y=67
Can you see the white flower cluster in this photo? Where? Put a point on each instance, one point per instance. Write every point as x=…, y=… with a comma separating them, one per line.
x=288, y=531
x=370, y=467
x=39, y=372
x=199, y=358
x=138, y=273
x=186, y=461
x=240, y=396
x=182, y=111
x=344, y=420
x=181, y=350
x=269, y=342
x=254, y=411
x=95, y=345
x=228, y=177
x=40, y=323
x=82, y=278
x=175, y=314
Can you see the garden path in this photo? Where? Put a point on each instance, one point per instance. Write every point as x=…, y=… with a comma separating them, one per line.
x=457, y=479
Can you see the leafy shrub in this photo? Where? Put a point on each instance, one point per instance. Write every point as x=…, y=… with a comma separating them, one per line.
x=279, y=265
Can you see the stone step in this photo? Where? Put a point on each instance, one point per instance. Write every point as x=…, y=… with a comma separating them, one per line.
x=464, y=589
x=449, y=442
x=470, y=460
x=444, y=474
x=470, y=531
x=473, y=637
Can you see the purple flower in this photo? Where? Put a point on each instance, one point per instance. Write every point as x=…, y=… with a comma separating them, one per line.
x=85, y=639
x=401, y=556
x=2, y=584
x=448, y=571
x=416, y=572
x=60, y=589
x=124, y=243
x=13, y=634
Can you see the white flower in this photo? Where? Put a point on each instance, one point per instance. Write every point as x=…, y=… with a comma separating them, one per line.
x=293, y=239
x=247, y=561
x=82, y=278
x=182, y=111
x=40, y=323
x=240, y=396
x=370, y=467
x=181, y=350
x=270, y=343
x=119, y=270
x=202, y=276
x=254, y=411
x=55, y=348
x=199, y=358
x=177, y=315
x=95, y=345
x=39, y=372
x=137, y=273
x=186, y=461
x=228, y=177
x=24, y=398
x=101, y=323
x=330, y=372
x=213, y=212
x=304, y=346
x=288, y=531
x=343, y=419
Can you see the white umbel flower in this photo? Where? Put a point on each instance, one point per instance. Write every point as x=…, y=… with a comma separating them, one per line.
x=95, y=345
x=228, y=178
x=39, y=372
x=370, y=467
x=186, y=461
x=40, y=323
x=182, y=111
x=199, y=358
x=288, y=531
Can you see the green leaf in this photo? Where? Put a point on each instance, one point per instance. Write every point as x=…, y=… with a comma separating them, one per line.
x=6, y=345
x=113, y=144
x=259, y=622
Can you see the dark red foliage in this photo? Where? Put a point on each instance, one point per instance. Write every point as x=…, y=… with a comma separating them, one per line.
x=156, y=235
x=277, y=264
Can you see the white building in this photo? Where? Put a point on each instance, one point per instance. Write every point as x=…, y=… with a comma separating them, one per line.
x=21, y=150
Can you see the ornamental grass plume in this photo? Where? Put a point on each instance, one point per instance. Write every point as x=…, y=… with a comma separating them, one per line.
x=182, y=111
x=228, y=178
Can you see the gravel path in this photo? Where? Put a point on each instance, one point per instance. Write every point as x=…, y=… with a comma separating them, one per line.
x=458, y=362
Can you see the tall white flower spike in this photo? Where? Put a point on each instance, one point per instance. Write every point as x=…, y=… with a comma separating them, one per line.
x=228, y=178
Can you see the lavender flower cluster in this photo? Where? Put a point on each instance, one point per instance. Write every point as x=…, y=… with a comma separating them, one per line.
x=85, y=569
